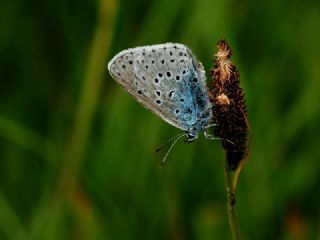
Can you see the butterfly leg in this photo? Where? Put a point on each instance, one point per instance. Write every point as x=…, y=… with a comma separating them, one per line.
x=212, y=137
x=209, y=135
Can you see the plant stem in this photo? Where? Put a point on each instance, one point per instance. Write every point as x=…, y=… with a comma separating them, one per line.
x=234, y=227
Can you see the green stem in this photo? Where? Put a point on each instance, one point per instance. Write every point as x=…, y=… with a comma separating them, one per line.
x=234, y=227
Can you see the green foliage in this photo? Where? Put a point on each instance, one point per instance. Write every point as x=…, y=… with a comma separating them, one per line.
x=77, y=154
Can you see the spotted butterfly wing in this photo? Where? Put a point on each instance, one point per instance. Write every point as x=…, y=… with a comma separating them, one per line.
x=166, y=79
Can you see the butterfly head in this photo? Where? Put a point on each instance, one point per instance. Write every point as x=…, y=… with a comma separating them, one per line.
x=193, y=132
x=190, y=136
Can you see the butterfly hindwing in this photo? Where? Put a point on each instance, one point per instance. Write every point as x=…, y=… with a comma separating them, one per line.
x=166, y=79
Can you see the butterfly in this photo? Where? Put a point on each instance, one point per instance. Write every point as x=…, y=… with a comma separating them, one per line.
x=168, y=80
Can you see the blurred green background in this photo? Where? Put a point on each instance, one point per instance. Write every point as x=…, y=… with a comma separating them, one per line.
x=77, y=156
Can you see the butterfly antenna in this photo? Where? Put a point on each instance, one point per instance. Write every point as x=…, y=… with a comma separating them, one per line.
x=167, y=142
x=169, y=150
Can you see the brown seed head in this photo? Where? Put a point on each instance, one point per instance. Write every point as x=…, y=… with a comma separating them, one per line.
x=229, y=109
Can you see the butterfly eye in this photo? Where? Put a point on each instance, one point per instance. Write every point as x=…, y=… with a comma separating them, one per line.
x=190, y=137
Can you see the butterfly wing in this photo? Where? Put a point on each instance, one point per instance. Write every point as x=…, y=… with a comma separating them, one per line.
x=166, y=79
